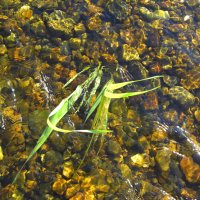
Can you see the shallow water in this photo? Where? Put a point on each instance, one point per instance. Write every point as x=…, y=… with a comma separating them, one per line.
x=154, y=149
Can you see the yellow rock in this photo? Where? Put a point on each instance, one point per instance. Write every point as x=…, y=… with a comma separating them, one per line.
x=68, y=170
x=1, y=153
x=125, y=170
x=158, y=135
x=78, y=196
x=72, y=190
x=59, y=186
x=103, y=188
x=163, y=159
x=140, y=160
x=190, y=169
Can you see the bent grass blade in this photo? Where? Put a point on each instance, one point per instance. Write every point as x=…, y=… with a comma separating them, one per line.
x=102, y=104
x=57, y=114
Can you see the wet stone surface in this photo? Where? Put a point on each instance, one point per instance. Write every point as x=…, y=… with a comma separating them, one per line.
x=153, y=149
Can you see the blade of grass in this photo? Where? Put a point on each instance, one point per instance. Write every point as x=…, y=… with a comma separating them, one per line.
x=85, y=69
x=115, y=86
x=127, y=94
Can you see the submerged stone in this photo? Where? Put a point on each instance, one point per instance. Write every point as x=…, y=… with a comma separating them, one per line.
x=60, y=186
x=52, y=159
x=163, y=157
x=119, y=9
x=140, y=160
x=59, y=24
x=37, y=121
x=114, y=147
x=190, y=169
x=182, y=96
x=129, y=53
x=1, y=153
x=158, y=14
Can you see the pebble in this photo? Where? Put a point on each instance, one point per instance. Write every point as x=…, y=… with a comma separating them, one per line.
x=190, y=169
x=114, y=148
x=1, y=153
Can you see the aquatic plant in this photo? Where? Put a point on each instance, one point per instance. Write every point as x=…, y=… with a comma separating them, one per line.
x=101, y=105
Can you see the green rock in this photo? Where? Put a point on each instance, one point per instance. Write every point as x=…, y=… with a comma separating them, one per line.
x=3, y=49
x=163, y=159
x=38, y=28
x=10, y=41
x=59, y=24
x=118, y=107
x=129, y=53
x=37, y=122
x=1, y=153
x=114, y=147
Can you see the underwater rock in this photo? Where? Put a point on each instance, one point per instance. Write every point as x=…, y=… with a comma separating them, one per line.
x=10, y=192
x=193, y=3
x=60, y=186
x=24, y=14
x=190, y=169
x=182, y=96
x=68, y=169
x=95, y=23
x=37, y=121
x=119, y=108
x=58, y=141
x=75, y=43
x=4, y=171
x=39, y=28
x=72, y=190
x=1, y=153
x=189, y=193
x=7, y=3
x=78, y=196
x=59, y=24
x=170, y=81
x=197, y=115
x=47, y=4
x=114, y=148
x=140, y=160
x=79, y=28
x=151, y=101
x=191, y=80
x=11, y=40
x=162, y=158
x=196, y=157
x=125, y=170
x=138, y=70
x=3, y=49
x=171, y=116
x=52, y=159
x=119, y=9
x=129, y=53
x=157, y=14
x=158, y=135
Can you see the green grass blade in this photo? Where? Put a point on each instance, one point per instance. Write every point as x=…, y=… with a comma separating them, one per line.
x=115, y=86
x=68, y=82
x=96, y=85
x=98, y=100
x=55, y=116
x=127, y=94
x=95, y=105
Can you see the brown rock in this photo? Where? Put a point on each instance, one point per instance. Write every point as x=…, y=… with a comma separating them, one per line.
x=151, y=102
x=60, y=186
x=72, y=190
x=190, y=169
